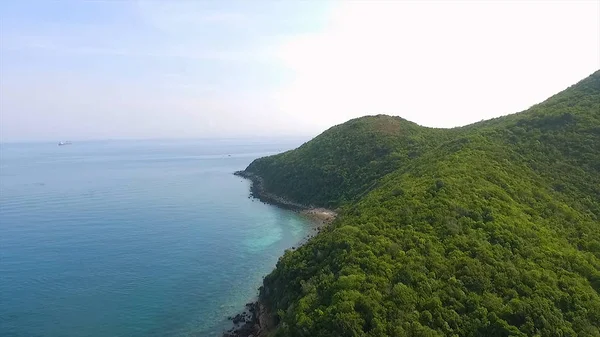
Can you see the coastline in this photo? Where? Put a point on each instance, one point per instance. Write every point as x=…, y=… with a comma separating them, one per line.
x=257, y=320
x=322, y=216
x=258, y=191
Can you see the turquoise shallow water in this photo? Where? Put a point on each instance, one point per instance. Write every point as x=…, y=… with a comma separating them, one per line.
x=133, y=238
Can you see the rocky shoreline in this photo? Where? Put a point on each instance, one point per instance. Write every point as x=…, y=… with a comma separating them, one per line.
x=258, y=191
x=257, y=320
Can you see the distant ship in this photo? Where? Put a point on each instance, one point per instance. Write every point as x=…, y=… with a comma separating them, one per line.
x=64, y=143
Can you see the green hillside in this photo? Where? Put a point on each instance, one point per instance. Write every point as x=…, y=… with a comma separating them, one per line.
x=492, y=229
x=345, y=161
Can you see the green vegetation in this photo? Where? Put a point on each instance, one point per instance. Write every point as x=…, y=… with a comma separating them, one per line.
x=492, y=229
x=345, y=161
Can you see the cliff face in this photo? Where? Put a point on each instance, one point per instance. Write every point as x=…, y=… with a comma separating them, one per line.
x=489, y=229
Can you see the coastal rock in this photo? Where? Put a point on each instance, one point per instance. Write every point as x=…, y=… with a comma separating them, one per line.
x=257, y=322
x=239, y=318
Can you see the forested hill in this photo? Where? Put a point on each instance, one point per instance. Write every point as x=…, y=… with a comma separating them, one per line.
x=492, y=229
x=345, y=161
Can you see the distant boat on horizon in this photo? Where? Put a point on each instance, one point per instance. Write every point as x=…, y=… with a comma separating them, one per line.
x=64, y=143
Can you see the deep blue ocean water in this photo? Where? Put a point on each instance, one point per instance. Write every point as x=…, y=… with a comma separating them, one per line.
x=134, y=238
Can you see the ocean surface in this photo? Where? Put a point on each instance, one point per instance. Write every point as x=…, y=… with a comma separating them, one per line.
x=134, y=238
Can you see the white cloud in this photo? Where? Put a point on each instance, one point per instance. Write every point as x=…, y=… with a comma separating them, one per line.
x=44, y=44
x=183, y=16
x=439, y=63
x=436, y=63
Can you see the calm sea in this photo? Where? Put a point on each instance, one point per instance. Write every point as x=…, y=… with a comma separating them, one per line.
x=134, y=238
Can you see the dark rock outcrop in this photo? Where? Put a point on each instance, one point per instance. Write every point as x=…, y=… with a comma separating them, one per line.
x=257, y=322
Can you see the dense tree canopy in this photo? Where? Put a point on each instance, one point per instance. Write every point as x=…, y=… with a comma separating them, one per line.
x=345, y=161
x=492, y=229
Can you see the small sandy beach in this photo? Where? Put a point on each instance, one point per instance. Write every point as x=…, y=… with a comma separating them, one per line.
x=321, y=216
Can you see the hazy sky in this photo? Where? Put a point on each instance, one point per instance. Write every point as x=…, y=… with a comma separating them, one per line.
x=165, y=69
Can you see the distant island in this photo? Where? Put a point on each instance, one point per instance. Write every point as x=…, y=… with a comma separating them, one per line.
x=492, y=229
